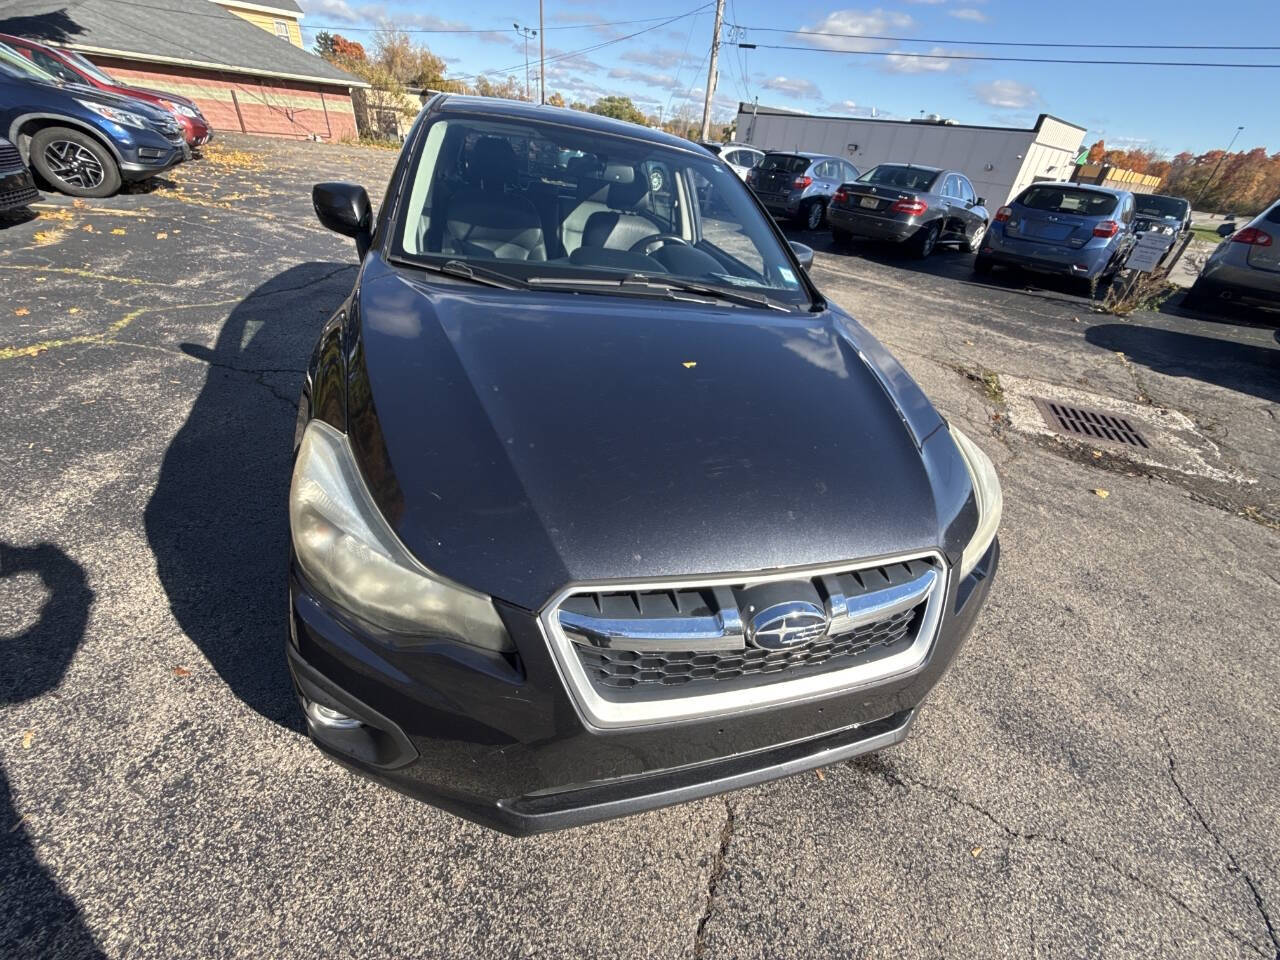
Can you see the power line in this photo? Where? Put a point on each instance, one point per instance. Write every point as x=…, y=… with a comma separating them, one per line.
x=585, y=50
x=977, y=56
x=563, y=26
x=1001, y=43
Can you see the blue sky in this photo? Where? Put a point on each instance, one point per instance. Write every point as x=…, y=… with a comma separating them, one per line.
x=664, y=67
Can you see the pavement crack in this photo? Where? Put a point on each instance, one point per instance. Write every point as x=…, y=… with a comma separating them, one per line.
x=713, y=881
x=1233, y=864
x=906, y=782
x=259, y=294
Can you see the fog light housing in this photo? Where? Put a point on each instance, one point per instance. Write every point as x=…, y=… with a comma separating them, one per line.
x=324, y=716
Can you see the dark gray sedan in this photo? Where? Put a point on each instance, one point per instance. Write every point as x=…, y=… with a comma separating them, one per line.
x=920, y=207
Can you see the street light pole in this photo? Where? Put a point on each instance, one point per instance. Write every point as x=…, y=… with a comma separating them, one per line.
x=542, y=58
x=526, y=32
x=1215, y=168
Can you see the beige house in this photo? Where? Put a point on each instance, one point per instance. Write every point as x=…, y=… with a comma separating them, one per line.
x=279, y=17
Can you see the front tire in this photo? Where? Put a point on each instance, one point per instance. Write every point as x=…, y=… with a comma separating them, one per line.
x=975, y=242
x=924, y=240
x=74, y=163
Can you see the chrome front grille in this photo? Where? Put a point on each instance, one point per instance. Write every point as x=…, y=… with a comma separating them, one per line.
x=621, y=669
x=654, y=652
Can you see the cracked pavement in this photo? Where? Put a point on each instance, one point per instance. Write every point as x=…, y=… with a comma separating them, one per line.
x=1095, y=777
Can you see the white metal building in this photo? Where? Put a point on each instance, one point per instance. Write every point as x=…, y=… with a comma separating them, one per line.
x=998, y=160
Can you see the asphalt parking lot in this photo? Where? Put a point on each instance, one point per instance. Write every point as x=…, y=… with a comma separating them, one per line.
x=1096, y=777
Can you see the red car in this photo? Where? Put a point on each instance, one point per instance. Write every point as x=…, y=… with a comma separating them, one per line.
x=73, y=68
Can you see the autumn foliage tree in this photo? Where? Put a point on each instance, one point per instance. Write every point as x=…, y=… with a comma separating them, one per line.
x=1245, y=182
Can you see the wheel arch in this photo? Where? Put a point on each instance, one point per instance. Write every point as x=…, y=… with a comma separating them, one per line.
x=24, y=127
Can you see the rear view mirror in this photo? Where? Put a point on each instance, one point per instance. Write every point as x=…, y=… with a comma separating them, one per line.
x=803, y=253
x=344, y=208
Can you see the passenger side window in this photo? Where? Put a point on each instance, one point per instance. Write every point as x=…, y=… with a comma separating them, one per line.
x=952, y=187
x=966, y=191
x=850, y=172
x=55, y=66
x=826, y=170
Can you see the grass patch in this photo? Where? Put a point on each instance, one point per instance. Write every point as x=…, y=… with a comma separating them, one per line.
x=1207, y=234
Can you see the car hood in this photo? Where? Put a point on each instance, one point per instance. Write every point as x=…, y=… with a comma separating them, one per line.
x=517, y=441
x=82, y=92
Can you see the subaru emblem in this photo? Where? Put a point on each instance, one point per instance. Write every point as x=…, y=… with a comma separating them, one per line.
x=788, y=624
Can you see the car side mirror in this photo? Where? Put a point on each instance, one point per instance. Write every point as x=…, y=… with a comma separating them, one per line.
x=982, y=201
x=344, y=208
x=803, y=253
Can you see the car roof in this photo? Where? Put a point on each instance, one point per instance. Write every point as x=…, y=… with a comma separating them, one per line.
x=801, y=153
x=914, y=166
x=1080, y=186
x=25, y=42
x=447, y=103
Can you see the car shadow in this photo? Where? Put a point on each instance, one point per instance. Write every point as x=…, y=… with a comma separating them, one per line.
x=16, y=218
x=1223, y=311
x=217, y=521
x=39, y=919
x=1243, y=367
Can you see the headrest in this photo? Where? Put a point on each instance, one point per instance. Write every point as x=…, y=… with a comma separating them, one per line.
x=493, y=162
x=618, y=173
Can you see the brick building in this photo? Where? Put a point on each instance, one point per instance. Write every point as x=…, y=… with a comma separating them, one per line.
x=244, y=77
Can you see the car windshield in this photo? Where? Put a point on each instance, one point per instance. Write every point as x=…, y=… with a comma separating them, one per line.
x=546, y=203
x=91, y=69
x=15, y=64
x=1063, y=199
x=785, y=162
x=904, y=178
x=1149, y=205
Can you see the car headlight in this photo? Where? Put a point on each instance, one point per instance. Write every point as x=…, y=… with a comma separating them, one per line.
x=123, y=117
x=351, y=555
x=180, y=108
x=986, y=490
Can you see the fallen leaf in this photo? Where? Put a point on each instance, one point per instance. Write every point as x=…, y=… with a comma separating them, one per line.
x=26, y=739
x=1097, y=454
x=162, y=235
x=21, y=312
x=79, y=203
x=976, y=852
x=74, y=310
x=118, y=231
x=181, y=672
x=821, y=776
x=689, y=364
x=87, y=228
x=1102, y=494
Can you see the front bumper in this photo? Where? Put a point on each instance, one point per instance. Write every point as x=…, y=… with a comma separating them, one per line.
x=146, y=154
x=1087, y=261
x=867, y=225
x=17, y=190
x=498, y=740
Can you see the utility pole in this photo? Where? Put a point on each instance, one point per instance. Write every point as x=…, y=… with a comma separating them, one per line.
x=526, y=32
x=542, y=58
x=1215, y=168
x=711, y=71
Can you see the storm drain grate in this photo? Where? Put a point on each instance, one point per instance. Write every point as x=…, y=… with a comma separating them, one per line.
x=1086, y=424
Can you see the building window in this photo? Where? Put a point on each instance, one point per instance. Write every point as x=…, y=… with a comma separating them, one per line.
x=282, y=30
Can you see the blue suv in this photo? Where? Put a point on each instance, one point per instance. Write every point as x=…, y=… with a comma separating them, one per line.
x=1074, y=229
x=82, y=141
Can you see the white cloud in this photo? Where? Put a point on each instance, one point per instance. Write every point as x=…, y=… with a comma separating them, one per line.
x=664, y=81
x=864, y=23
x=919, y=63
x=792, y=86
x=331, y=9
x=660, y=58
x=1007, y=95
x=968, y=13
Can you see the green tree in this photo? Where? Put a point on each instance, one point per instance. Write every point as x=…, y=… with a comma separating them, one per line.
x=620, y=108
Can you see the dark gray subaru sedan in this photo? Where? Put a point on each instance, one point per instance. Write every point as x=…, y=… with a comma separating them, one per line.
x=598, y=504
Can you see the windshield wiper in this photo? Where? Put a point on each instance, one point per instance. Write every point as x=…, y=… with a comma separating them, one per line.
x=467, y=271
x=656, y=286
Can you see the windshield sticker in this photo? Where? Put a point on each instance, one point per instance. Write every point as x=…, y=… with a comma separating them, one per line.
x=788, y=277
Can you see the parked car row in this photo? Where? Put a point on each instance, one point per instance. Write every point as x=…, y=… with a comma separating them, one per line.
x=84, y=133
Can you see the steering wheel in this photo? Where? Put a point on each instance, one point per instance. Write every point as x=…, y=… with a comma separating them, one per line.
x=644, y=243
